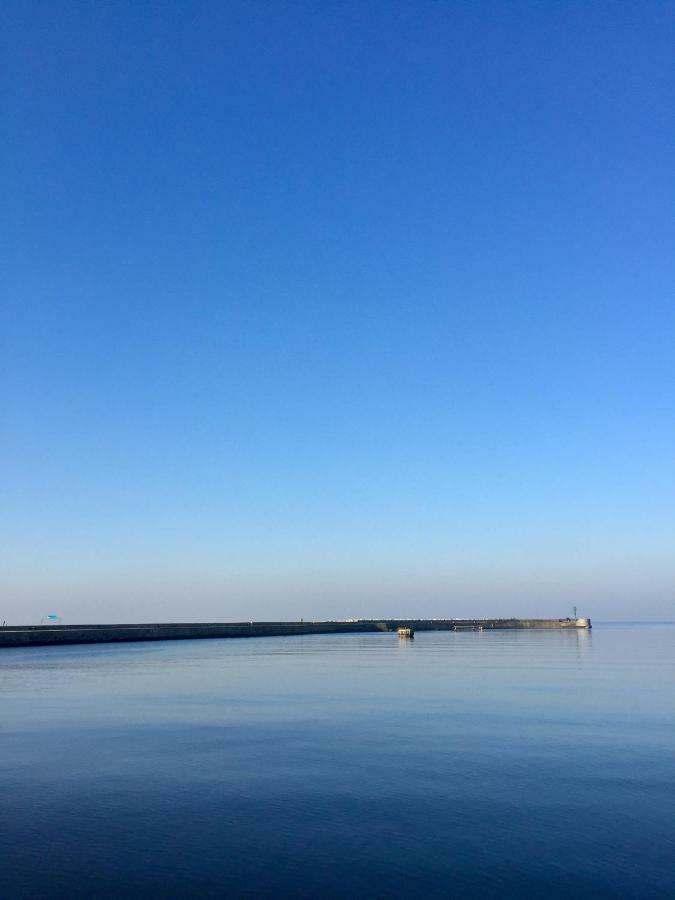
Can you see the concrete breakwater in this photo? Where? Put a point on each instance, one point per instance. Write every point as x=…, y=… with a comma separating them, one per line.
x=48, y=635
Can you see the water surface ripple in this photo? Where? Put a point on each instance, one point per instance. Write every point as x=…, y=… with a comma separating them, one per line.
x=469, y=764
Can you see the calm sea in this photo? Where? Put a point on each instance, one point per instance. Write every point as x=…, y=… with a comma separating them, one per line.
x=509, y=764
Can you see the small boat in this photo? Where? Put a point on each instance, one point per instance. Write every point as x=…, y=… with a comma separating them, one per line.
x=406, y=633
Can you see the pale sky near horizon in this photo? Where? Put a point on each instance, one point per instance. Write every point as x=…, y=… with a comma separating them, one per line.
x=337, y=309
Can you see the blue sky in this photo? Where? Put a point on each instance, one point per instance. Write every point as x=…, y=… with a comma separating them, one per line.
x=337, y=309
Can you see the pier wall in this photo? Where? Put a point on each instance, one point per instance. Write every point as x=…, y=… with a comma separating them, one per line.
x=46, y=635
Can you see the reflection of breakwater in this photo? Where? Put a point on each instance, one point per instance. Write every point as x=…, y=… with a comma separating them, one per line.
x=47, y=635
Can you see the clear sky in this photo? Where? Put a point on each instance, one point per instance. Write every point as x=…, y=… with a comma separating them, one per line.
x=337, y=309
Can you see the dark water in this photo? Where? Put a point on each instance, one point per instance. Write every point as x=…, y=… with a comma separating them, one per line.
x=513, y=764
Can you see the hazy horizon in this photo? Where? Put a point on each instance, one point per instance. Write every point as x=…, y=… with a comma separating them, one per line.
x=337, y=310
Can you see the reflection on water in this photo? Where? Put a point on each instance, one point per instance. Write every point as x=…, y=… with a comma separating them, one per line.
x=491, y=764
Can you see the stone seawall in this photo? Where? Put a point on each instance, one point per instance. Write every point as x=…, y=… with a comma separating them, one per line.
x=47, y=635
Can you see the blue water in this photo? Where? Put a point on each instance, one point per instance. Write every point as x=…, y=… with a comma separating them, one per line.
x=509, y=764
